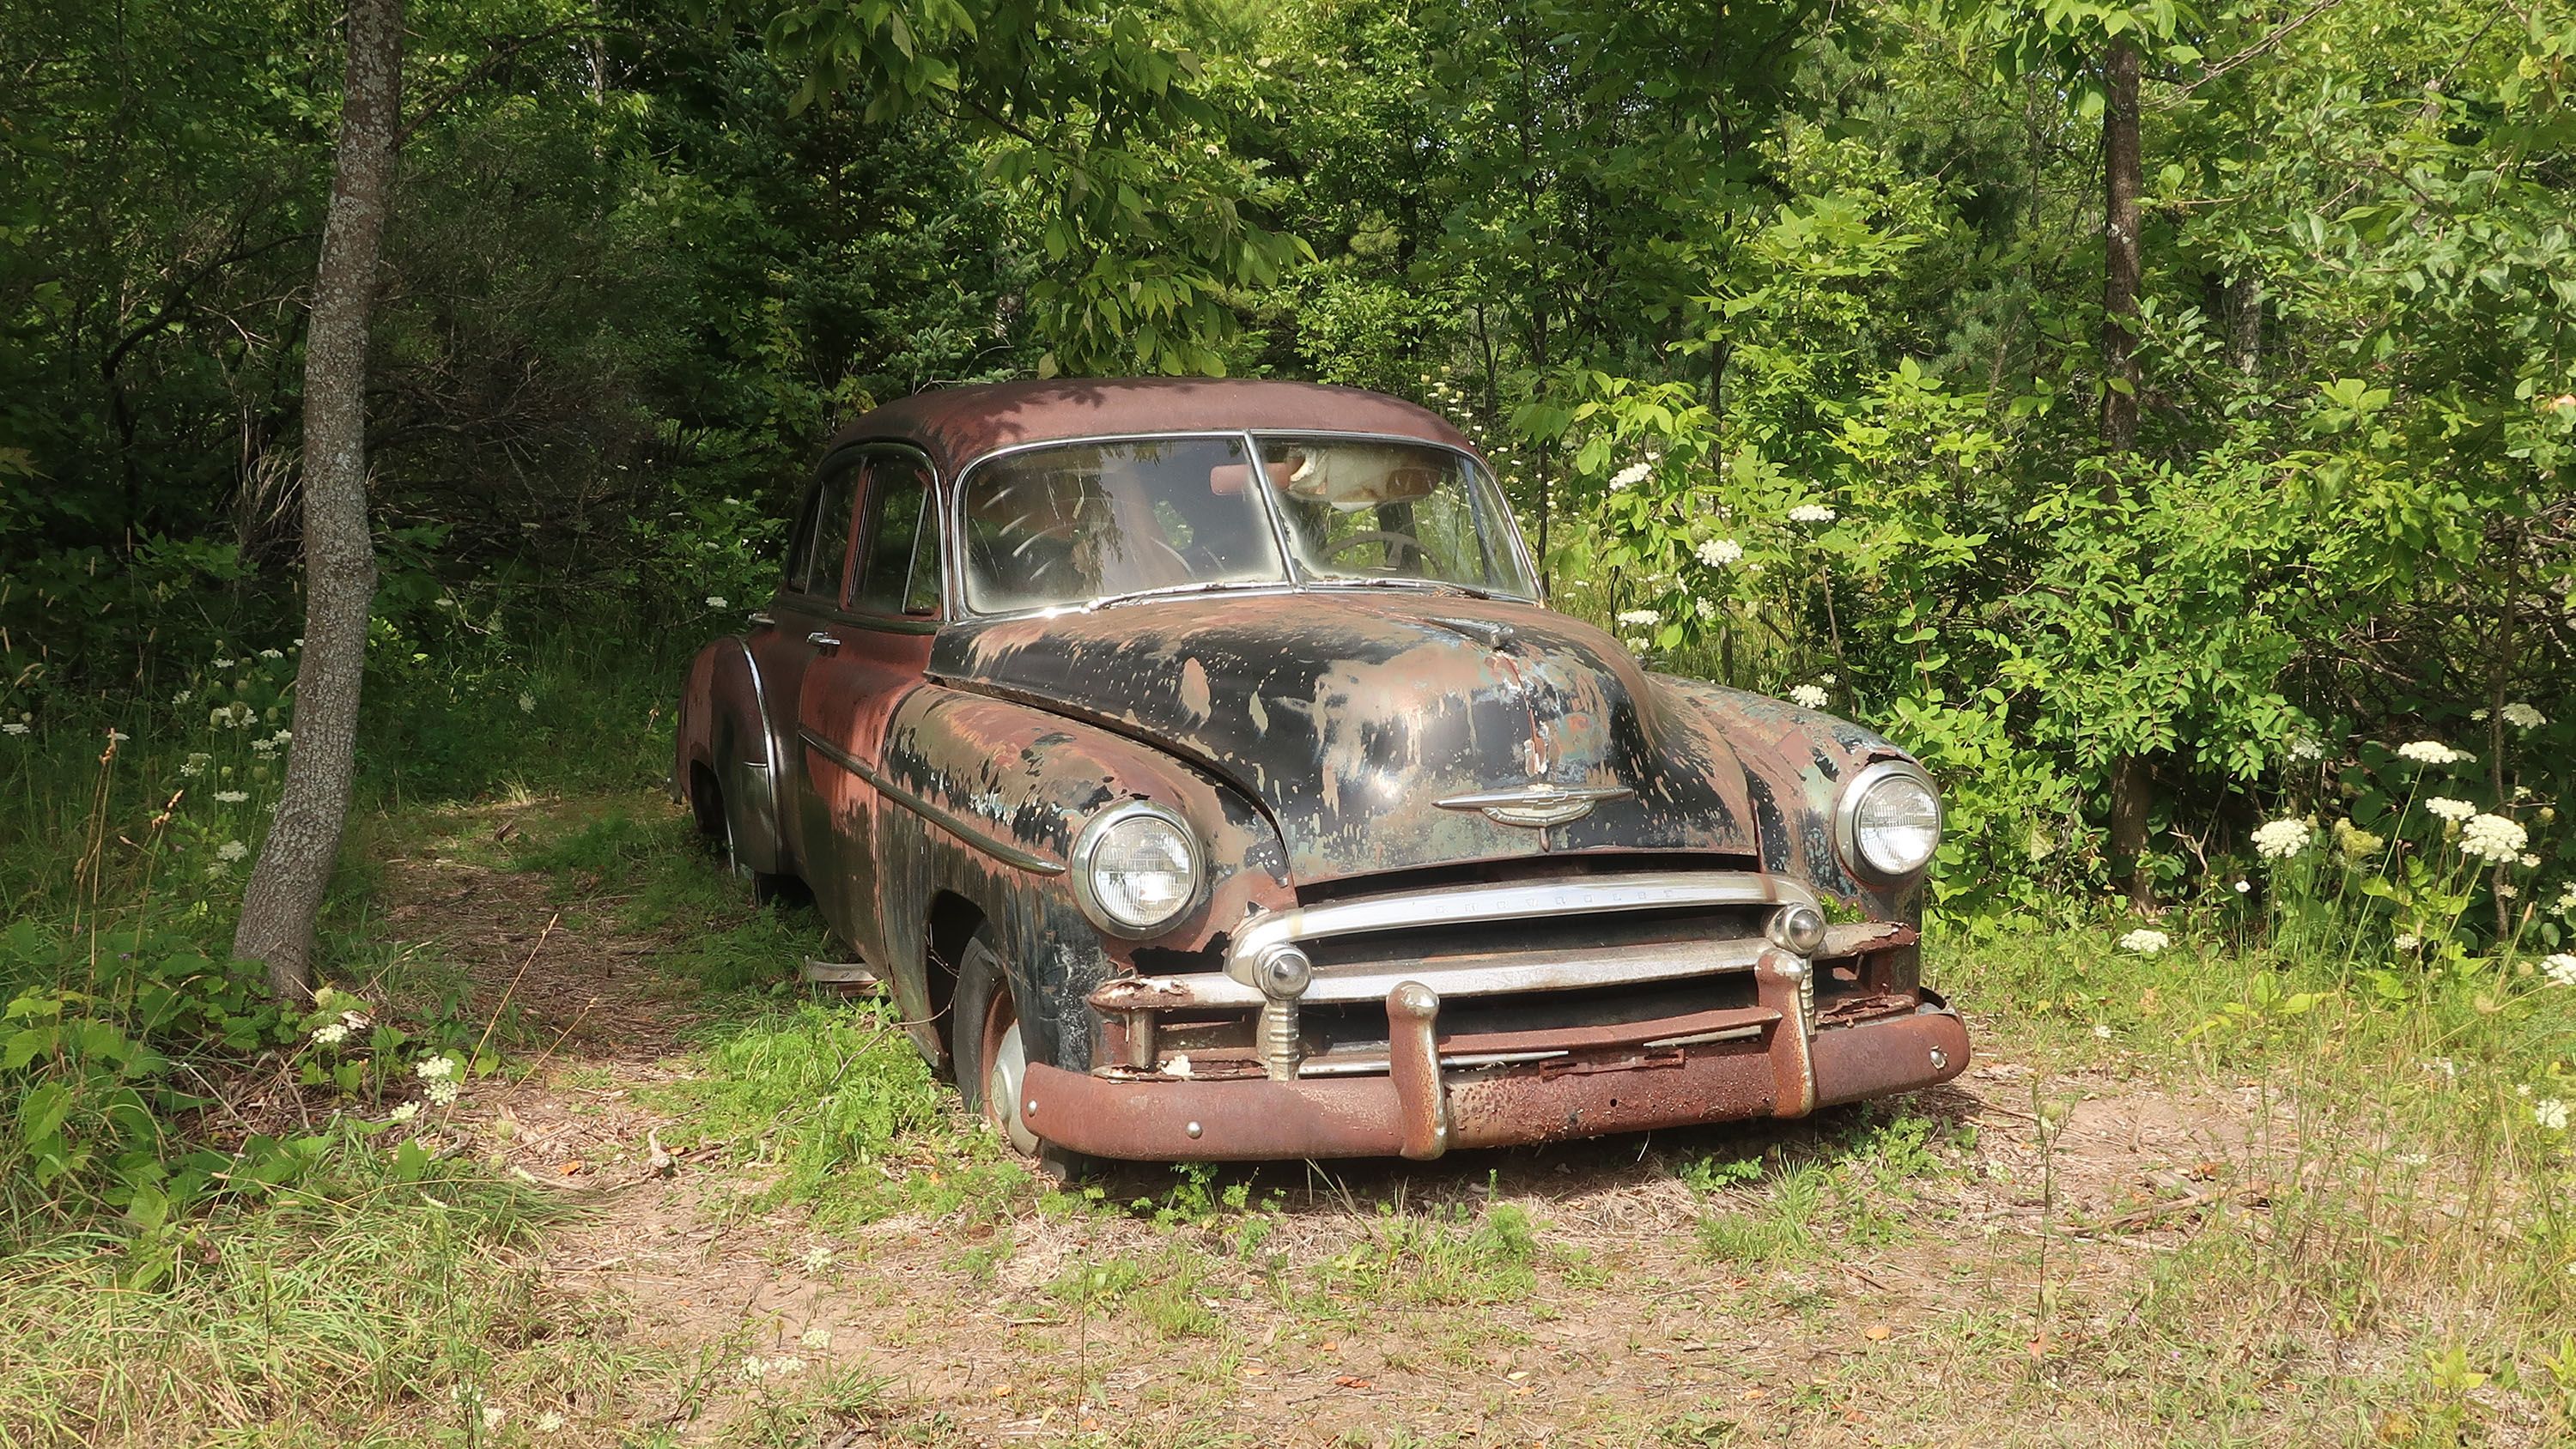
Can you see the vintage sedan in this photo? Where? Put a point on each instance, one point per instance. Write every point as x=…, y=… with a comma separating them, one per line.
x=1197, y=766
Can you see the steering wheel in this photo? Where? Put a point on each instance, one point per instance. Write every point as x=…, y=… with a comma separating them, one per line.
x=1395, y=540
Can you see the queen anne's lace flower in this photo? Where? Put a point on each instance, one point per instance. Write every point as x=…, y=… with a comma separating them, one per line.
x=1717, y=553
x=1807, y=696
x=2523, y=717
x=1811, y=513
x=2282, y=839
x=2449, y=809
x=817, y=1339
x=717, y=601
x=331, y=1034
x=2560, y=968
x=232, y=850
x=443, y=1093
x=434, y=1069
x=403, y=1113
x=13, y=728
x=231, y=797
x=2145, y=940
x=2551, y=1113
x=2433, y=752
x=2407, y=941
x=2493, y=837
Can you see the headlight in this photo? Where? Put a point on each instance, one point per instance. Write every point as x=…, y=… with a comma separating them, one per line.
x=1890, y=821
x=1135, y=868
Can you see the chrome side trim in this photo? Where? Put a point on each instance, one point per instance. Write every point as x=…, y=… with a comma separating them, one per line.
x=767, y=803
x=1007, y=854
x=1537, y=804
x=1509, y=900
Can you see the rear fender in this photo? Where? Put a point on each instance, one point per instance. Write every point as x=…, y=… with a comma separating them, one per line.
x=724, y=729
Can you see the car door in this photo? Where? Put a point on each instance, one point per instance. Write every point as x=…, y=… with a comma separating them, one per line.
x=881, y=637
x=787, y=640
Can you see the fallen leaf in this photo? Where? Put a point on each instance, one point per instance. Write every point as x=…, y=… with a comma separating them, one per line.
x=572, y=1168
x=1875, y=1333
x=1350, y=1382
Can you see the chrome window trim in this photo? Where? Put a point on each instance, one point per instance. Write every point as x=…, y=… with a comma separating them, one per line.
x=1506, y=900
x=1086, y=848
x=1847, y=819
x=1292, y=575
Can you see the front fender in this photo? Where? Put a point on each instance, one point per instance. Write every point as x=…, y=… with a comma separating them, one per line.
x=989, y=796
x=1795, y=763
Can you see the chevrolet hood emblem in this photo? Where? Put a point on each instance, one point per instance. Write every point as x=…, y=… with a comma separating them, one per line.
x=1537, y=805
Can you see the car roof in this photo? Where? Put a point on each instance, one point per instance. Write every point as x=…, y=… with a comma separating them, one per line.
x=957, y=425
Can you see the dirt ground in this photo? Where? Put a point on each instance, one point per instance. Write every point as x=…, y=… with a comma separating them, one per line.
x=1369, y=1311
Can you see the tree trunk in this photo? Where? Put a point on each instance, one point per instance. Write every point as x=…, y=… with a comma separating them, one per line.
x=2245, y=324
x=2131, y=786
x=294, y=869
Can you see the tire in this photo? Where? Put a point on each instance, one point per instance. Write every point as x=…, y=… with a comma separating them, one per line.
x=989, y=1053
x=715, y=821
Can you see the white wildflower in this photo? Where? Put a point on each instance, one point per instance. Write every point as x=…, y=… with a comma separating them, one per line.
x=2305, y=748
x=785, y=1365
x=13, y=728
x=180, y=700
x=272, y=654
x=232, y=850
x=2559, y=968
x=2550, y=1113
x=2433, y=752
x=2450, y=809
x=2145, y=940
x=2530, y=861
x=493, y=1415
x=1828, y=679
x=282, y=736
x=2244, y=887
x=1630, y=476
x=1706, y=608
x=817, y=1258
x=2101, y=1031
x=816, y=1339
x=1640, y=618
x=331, y=1034
x=753, y=1367
x=218, y=869
x=1807, y=696
x=717, y=601
x=2567, y=901
x=2493, y=837
x=224, y=664
x=443, y=1094
x=2406, y=941
x=549, y=1422
x=263, y=747
x=196, y=764
x=403, y=1113
x=527, y=703
x=1811, y=513
x=2444, y=1066
x=1717, y=553
x=231, y=797
x=2523, y=717
x=2282, y=839
x=434, y=1069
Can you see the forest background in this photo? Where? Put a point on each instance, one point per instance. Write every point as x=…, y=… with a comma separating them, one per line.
x=2156, y=416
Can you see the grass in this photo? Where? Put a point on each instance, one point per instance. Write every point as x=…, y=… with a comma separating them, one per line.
x=2377, y=1248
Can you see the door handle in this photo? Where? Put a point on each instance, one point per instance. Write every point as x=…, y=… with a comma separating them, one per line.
x=826, y=642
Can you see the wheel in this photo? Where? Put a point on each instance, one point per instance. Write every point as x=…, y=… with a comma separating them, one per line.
x=991, y=1054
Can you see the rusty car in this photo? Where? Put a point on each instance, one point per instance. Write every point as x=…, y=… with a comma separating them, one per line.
x=1196, y=763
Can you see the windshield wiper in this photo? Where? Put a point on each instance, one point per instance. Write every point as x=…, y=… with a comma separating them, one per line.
x=1469, y=590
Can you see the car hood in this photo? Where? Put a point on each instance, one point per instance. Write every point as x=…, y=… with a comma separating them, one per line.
x=1350, y=714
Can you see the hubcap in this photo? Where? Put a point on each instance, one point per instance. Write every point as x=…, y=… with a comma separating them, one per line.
x=1005, y=1066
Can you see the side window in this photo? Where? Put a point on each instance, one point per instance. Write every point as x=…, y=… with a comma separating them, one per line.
x=899, y=562
x=823, y=534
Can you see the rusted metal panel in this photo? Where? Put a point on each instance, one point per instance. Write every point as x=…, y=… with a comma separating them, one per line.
x=1872, y=1060
x=957, y=425
x=1351, y=714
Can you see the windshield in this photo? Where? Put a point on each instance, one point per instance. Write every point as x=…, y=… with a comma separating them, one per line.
x=1393, y=512
x=1084, y=521
x=1076, y=523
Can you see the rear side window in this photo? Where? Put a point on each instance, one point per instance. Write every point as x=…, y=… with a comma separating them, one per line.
x=822, y=539
x=899, y=558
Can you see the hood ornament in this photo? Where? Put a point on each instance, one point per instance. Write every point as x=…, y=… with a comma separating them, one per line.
x=1537, y=804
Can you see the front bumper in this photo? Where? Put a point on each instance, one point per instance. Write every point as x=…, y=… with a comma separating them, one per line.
x=1776, y=1062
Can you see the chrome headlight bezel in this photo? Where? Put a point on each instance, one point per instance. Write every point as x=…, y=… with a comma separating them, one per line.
x=1847, y=821
x=1086, y=862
